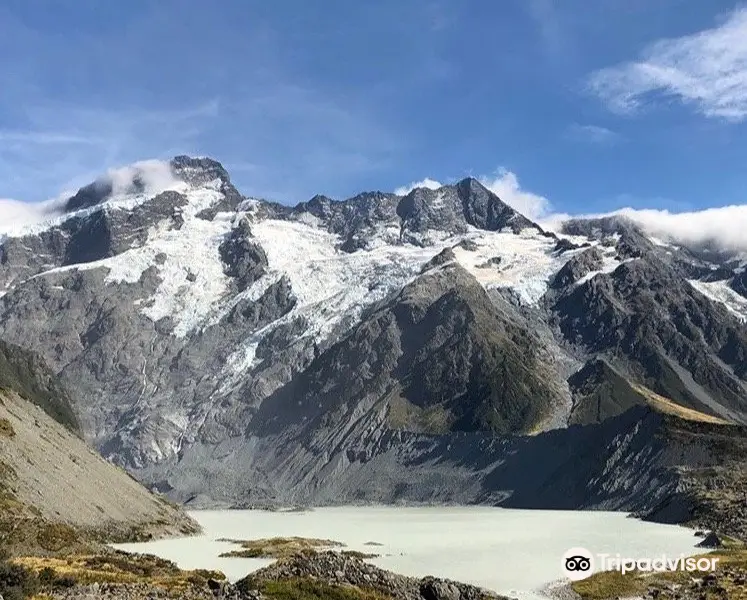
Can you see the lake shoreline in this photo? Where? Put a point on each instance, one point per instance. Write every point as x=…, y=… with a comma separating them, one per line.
x=504, y=550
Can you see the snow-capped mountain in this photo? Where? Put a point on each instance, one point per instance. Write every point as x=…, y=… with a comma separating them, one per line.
x=229, y=348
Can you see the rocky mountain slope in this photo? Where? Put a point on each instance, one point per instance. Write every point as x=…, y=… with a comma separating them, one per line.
x=55, y=492
x=229, y=350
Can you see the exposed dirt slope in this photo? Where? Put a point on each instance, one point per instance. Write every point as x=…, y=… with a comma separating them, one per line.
x=56, y=493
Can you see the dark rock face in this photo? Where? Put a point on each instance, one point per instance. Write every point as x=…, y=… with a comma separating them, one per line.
x=564, y=245
x=354, y=220
x=205, y=171
x=88, y=238
x=198, y=171
x=244, y=259
x=485, y=210
x=619, y=231
x=662, y=331
x=440, y=347
x=739, y=283
x=26, y=374
x=600, y=392
x=445, y=256
x=577, y=267
x=93, y=194
x=416, y=216
x=453, y=208
x=710, y=541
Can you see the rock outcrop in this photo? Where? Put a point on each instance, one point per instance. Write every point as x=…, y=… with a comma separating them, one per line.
x=337, y=569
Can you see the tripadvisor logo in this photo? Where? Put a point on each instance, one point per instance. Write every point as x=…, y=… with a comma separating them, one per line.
x=578, y=563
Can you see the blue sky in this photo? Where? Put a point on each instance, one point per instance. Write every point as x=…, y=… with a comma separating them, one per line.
x=591, y=105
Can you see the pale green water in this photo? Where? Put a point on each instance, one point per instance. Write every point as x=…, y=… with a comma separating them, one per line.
x=514, y=552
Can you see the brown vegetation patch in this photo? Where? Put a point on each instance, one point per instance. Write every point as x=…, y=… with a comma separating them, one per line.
x=278, y=547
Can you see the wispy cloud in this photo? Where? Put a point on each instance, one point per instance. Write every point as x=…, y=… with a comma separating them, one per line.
x=724, y=226
x=545, y=16
x=42, y=160
x=593, y=134
x=44, y=138
x=707, y=70
x=15, y=214
x=240, y=91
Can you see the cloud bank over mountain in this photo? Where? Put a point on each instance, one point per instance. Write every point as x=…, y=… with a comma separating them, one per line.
x=149, y=176
x=725, y=226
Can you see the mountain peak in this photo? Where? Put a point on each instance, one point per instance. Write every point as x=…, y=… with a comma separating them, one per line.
x=198, y=170
x=148, y=178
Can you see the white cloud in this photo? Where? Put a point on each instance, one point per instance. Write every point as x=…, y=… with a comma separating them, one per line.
x=65, y=147
x=725, y=225
x=506, y=186
x=594, y=134
x=154, y=175
x=707, y=69
x=429, y=183
x=15, y=214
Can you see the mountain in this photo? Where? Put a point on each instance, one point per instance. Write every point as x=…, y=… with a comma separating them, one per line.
x=227, y=350
x=56, y=494
x=25, y=374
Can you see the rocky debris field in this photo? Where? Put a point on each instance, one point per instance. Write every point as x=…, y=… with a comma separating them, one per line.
x=307, y=575
x=336, y=569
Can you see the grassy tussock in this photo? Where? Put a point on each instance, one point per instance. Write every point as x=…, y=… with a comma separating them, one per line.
x=116, y=568
x=669, y=407
x=611, y=584
x=278, y=547
x=309, y=589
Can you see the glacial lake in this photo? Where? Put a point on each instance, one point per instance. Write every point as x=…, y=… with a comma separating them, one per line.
x=513, y=552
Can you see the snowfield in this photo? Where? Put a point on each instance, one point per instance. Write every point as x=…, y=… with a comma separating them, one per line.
x=719, y=291
x=329, y=285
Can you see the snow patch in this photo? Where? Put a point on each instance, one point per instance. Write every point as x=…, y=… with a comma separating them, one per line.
x=610, y=263
x=333, y=286
x=192, y=277
x=154, y=176
x=719, y=291
x=330, y=286
x=526, y=261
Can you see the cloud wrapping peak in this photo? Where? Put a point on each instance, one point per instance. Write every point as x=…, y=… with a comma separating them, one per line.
x=706, y=69
x=506, y=186
x=725, y=225
x=503, y=184
x=15, y=215
x=150, y=177
x=155, y=176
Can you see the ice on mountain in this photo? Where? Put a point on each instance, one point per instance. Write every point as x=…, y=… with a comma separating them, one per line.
x=719, y=291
